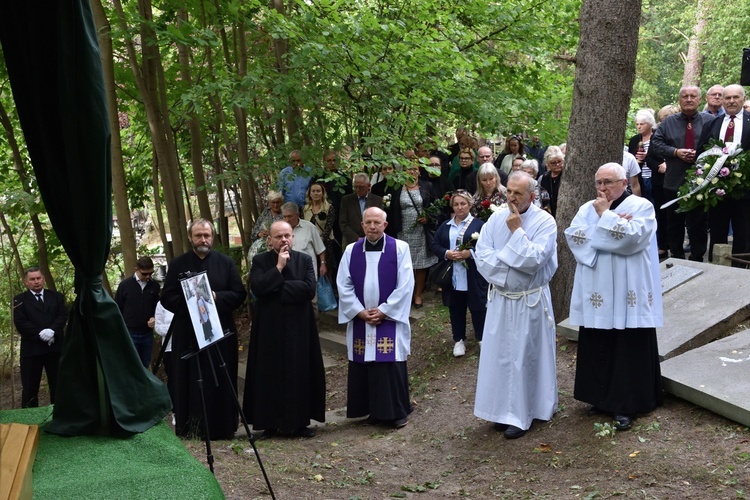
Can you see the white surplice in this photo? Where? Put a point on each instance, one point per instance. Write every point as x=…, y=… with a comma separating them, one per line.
x=617, y=282
x=517, y=379
x=396, y=307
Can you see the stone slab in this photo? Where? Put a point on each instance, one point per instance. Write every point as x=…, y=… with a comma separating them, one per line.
x=703, y=308
x=702, y=305
x=333, y=341
x=567, y=330
x=715, y=376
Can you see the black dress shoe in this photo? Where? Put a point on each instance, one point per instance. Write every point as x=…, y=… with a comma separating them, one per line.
x=500, y=427
x=401, y=422
x=418, y=306
x=623, y=422
x=513, y=432
x=371, y=421
x=269, y=433
x=593, y=410
x=305, y=432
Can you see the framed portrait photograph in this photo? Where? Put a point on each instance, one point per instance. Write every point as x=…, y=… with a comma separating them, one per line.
x=202, y=307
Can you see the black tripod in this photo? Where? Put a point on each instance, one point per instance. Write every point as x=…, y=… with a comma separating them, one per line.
x=209, y=352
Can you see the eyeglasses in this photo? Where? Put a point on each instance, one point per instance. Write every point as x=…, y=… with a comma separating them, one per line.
x=464, y=157
x=485, y=156
x=144, y=273
x=608, y=182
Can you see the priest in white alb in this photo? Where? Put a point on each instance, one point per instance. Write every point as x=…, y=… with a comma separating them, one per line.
x=375, y=284
x=616, y=300
x=517, y=255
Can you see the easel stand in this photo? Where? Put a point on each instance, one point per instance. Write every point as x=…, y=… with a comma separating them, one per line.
x=209, y=351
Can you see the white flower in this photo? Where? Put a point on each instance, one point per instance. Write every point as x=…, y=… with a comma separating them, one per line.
x=699, y=180
x=475, y=236
x=738, y=174
x=715, y=180
x=699, y=197
x=495, y=208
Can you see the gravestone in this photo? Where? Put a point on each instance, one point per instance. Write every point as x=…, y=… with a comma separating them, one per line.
x=715, y=376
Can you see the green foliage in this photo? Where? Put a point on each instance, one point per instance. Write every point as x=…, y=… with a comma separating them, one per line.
x=605, y=430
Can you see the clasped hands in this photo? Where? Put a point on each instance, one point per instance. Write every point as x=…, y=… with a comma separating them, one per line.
x=458, y=254
x=372, y=316
x=47, y=335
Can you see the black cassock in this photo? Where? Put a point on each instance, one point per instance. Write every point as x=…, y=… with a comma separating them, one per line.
x=225, y=281
x=285, y=383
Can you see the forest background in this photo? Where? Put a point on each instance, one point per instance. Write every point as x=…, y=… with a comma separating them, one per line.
x=207, y=99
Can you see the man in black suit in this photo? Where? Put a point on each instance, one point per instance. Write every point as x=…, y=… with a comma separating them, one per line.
x=352, y=206
x=732, y=126
x=675, y=140
x=40, y=317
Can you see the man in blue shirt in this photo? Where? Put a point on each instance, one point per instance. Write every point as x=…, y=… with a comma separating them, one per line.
x=294, y=180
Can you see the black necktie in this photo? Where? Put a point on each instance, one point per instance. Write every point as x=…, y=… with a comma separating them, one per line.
x=39, y=297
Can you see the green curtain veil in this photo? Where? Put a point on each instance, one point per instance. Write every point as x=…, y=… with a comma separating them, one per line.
x=52, y=55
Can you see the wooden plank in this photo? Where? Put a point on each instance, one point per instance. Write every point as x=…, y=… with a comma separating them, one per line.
x=18, y=447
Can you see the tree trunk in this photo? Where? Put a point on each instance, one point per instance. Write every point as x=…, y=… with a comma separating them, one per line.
x=694, y=58
x=196, y=153
x=166, y=243
x=119, y=184
x=605, y=73
x=14, y=250
x=23, y=176
x=146, y=77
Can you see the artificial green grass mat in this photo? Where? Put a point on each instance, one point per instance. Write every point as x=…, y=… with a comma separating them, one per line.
x=154, y=464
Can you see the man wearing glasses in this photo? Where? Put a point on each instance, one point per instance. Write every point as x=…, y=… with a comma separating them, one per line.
x=616, y=300
x=137, y=297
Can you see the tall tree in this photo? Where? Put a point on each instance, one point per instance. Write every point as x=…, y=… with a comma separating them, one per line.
x=119, y=187
x=695, y=56
x=149, y=78
x=26, y=182
x=605, y=72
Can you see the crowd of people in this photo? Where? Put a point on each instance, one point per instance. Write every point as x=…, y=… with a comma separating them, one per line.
x=488, y=222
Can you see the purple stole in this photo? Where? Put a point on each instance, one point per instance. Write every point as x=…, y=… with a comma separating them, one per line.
x=385, y=338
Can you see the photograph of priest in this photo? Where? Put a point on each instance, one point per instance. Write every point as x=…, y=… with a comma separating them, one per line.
x=517, y=255
x=285, y=383
x=229, y=294
x=616, y=300
x=375, y=284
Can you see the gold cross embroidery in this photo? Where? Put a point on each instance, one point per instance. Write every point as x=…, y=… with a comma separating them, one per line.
x=385, y=346
x=359, y=347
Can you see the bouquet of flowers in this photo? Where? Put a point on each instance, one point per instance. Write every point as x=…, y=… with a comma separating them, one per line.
x=387, y=201
x=469, y=245
x=720, y=171
x=487, y=208
x=435, y=209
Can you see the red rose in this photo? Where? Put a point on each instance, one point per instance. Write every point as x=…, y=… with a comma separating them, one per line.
x=486, y=203
x=447, y=197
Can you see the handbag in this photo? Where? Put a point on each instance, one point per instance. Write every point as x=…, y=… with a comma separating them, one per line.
x=441, y=274
x=326, y=299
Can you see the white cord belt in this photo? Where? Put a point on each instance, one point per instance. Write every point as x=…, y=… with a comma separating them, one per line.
x=522, y=295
